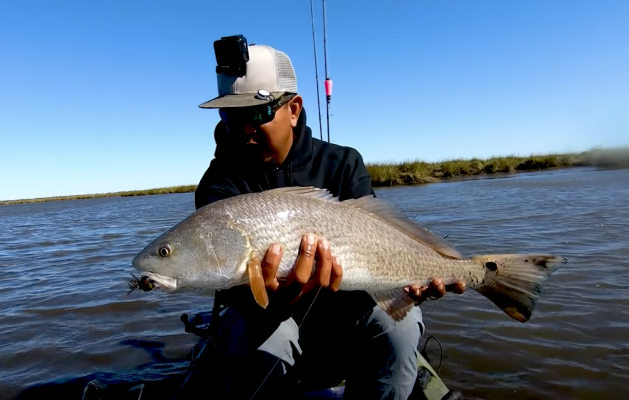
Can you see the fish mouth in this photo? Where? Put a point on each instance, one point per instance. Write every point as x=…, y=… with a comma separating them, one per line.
x=163, y=282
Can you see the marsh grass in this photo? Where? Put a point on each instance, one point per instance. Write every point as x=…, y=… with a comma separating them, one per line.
x=414, y=172
x=418, y=171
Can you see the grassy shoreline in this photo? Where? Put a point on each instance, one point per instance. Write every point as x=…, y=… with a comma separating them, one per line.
x=416, y=171
x=147, y=192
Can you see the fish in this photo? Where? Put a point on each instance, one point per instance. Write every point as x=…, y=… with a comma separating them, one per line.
x=381, y=251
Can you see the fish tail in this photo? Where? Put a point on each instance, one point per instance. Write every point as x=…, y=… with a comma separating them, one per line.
x=514, y=282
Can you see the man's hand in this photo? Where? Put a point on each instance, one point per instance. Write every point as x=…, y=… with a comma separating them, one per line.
x=284, y=296
x=435, y=290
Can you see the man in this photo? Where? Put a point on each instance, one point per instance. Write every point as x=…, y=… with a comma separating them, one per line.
x=311, y=336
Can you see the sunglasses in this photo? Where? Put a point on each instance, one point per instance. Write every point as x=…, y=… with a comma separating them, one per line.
x=253, y=116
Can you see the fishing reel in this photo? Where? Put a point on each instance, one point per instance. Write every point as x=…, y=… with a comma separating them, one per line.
x=232, y=54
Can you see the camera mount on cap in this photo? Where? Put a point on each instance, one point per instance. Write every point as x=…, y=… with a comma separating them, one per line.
x=232, y=54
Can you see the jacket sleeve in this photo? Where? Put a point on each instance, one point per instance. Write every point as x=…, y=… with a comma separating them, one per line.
x=213, y=187
x=358, y=182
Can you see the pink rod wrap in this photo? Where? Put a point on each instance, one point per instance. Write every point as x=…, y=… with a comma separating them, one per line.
x=328, y=87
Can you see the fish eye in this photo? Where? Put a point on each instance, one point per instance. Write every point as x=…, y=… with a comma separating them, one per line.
x=164, y=251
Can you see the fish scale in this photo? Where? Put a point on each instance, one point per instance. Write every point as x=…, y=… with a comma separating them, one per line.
x=375, y=256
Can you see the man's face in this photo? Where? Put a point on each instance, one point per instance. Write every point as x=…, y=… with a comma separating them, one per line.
x=270, y=142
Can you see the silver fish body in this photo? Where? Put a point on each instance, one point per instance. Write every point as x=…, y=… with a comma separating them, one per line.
x=380, y=249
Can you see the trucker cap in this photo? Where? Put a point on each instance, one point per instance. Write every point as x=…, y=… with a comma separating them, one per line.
x=268, y=70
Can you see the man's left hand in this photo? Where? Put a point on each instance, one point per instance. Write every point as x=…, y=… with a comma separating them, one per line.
x=435, y=290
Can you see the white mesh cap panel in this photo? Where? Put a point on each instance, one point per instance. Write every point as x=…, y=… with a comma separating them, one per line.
x=286, y=79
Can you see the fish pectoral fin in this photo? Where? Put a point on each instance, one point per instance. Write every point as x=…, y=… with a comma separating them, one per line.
x=396, y=303
x=256, y=281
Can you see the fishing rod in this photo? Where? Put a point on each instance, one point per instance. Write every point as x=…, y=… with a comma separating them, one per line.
x=328, y=81
x=314, y=45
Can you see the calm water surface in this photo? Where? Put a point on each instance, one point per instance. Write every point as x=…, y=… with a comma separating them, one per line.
x=65, y=317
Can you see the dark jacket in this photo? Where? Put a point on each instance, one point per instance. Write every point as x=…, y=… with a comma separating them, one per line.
x=310, y=162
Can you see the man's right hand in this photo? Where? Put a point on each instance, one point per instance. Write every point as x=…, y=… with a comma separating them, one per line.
x=284, y=296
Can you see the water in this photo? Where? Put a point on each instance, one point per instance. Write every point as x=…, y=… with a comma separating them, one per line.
x=65, y=317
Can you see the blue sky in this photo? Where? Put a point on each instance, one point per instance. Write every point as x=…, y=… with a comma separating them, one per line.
x=103, y=96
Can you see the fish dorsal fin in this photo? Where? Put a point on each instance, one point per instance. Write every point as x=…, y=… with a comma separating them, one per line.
x=307, y=191
x=392, y=216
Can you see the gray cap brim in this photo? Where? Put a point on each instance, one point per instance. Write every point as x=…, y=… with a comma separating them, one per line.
x=238, y=100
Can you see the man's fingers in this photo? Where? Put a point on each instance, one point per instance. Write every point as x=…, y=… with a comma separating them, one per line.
x=336, y=274
x=305, y=260
x=270, y=264
x=324, y=264
x=457, y=287
x=324, y=267
x=415, y=291
x=436, y=289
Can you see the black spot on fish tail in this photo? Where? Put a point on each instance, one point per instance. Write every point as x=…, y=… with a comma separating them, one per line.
x=492, y=266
